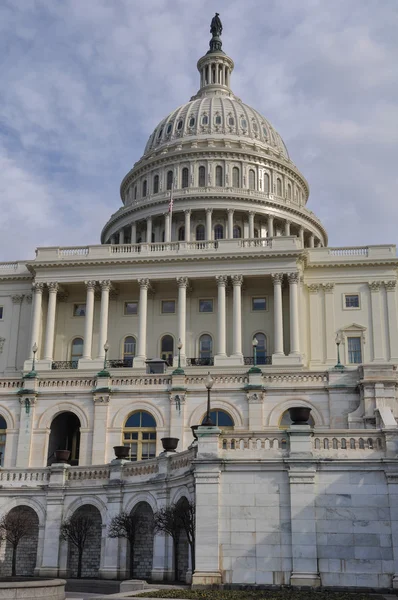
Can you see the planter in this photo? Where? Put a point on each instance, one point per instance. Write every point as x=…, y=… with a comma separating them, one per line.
x=62, y=456
x=170, y=444
x=299, y=415
x=194, y=428
x=121, y=452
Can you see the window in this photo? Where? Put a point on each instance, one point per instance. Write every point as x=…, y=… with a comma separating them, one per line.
x=235, y=177
x=254, y=126
x=76, y=351
x=202, y=176
x=252, y=180
x=206, y=306
x=168, y=307
x=259, y=304
x=221, y=419
x=184, y=181
x=160, y=133
x=266, y=183
x=167, y=349
x=135, y=192
x=139, y=434
x=218, y=232
x=131, y=308
x=218, y=120
x=181, y=233
x=191, y=122
x=1, y=311
x=351, y=300
x=289, y=191
x=261, y=349
x=129, y=347
x=237, y=232
x=3, y=433
x=256, y=235
x=219, y=178
x=156, y=184
x=243, y=123
x=180, y=124
x=169, y=182
x=231, y=121
x=79, y=310
x=205, y=120
x=265, y=132
x=200, y=233
x=279, y=187
x=205, y=346
x=144, y=188
x=354, y=350
x=169, y=128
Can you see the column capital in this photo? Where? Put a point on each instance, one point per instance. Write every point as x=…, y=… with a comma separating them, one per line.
x=53, y=287
x=251, y=213
x=288, y=221
x=182, y=282
x=374, y=286
x=328, y=287
x=29, y=298
x=105, y=285
x=237, y=279
x=230, y=211
x=90, y=285
x=222, y=280
x=149, y=218
x=17, y=298
x=187, y=211
x=144, y=283
x=293, y=277
x=313, y=288
x=277, y=278
x=391, y=285
x=209, y=211
x=38, y=287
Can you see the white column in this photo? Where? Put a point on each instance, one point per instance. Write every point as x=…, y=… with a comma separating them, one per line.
x=287, y=227
x=149, y=230
x=12, y=356
x=133, y=233
x=121, y=236
x=182, y=314
x=209, y=227
x=251, y=224
x=315, y=323
x=221, y=321
x=100, y=428
x=294, y=313
x=392, y=318
x=301, y=236
x=270, y=226
x=142, y=317
x=103, y=325
x=312, y=240
x=237, y=281
x=167, y=232
x=88, y=321
x=330, y=329
x=377, y=322
x=278, y=314
x=50, y=326
x=36, y=318
x=112, y=240
x=230, y=212
x=187, y=214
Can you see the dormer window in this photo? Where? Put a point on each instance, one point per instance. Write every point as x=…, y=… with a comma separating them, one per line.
x=191, y=122
x=169, y=128
x=231, y=121
x=205, y=120
x=243, y=123
x=180, y=124
x=218, y=120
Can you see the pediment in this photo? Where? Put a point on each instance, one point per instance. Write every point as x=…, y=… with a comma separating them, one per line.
x=354, y=327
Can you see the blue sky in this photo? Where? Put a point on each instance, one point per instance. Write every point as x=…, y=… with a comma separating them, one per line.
x=84, y=83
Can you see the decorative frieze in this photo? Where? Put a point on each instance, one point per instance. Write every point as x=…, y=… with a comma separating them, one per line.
x=391, y=285
x=17, y=298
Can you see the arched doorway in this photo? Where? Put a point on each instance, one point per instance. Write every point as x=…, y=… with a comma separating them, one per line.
x=25, y=520
x=64, y=435
x=183, y=548
x=167, y=349
x=90, y=517
x=143, y=547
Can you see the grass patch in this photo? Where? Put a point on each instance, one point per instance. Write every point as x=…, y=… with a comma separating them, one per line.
x=283, y=594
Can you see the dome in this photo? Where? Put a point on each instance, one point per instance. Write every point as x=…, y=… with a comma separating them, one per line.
x=219, y=116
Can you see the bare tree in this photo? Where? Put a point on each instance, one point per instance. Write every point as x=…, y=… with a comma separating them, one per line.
x=167, y=520
x=14, y=526
x=125, y=525
x=187, y=515
x=76, y=531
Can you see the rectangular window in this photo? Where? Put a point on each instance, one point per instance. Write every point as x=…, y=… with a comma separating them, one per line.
x=79, y=310
x=259, y=304
x=131, y=308
x=354, y=350
x=351, y=300
x=1, y=312
x=168, y=307
x=206, y=306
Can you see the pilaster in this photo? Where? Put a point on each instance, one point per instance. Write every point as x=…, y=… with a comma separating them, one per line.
x=377, y=321
x=27, y=400
x=329, y=326
x=314, y=320
x=391, y=291
x=100, y=427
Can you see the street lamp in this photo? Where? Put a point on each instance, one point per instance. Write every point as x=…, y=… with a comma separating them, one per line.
x=339, y=339
x=179, y=370
x=254, y=368
x=209, y=384
x=104, y=372
x=32, y=373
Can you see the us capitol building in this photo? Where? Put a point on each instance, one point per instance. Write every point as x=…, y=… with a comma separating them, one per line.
x=213, y=280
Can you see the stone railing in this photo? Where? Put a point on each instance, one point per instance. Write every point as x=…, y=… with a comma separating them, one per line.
x=94, y=473
x=140, y=469
x=348, y=444
x=274, y=442
x=141, y=380
x=24, y=477
x=182, y=460
x=353, y=254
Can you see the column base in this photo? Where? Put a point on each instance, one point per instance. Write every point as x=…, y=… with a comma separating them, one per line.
x=292, y=360
x=139, y=362
x=86, y=363
x=50, y=572
x=109, y=573
x=301, y=579
x=206, y=578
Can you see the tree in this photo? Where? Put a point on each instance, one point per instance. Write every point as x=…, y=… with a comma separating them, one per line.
x=187, y=515
x=125, y=525
x=14, y=526
x=76, y=531
x=167, y=520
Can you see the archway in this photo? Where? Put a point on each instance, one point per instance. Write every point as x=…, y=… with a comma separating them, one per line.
x=183, y=548
x=91, y=558
x=64, y=435
x=143, y=547
x=26, y=519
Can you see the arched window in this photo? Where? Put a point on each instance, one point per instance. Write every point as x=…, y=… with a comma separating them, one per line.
x=218, y=120
x=221, y=419
x=139, y=434
x=181, y=233
x=252, y=180
x=235, y=177
x=76, y=351
x=219, y=178
x=135, y=192
x=289, y=191
x=261, y=350
x=237, y=232
x=167, y=349
x=144, y=188
x=279, y=187
x=184, y=179
x=200, y=233
x=202, y=176
x=266, y=183
x=169, y=182
x=156, y=184
x=129, y=348
x=205, y=348
x=205, y=120
x=3, y=433
x=218, y=232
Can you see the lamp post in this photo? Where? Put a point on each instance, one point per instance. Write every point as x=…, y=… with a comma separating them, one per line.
x=32, y=373
x=209, y=384
x=254, y=368
x=104, y=372
x=339, y=339
x=179, y=370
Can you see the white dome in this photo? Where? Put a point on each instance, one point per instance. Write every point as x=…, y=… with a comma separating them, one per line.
x=219, y=116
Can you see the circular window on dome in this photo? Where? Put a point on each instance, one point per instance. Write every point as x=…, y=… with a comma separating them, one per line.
x=160, y=133
x=191, y=122
x=231, y=121
x=205, y=120
x=169, y=128
x=243, y=123
x=218, y=120
x=179, y=124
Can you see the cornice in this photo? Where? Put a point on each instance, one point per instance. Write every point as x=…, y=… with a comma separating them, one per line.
x=345, y=264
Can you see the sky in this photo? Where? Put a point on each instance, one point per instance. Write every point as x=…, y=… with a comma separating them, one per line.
x=84, y=82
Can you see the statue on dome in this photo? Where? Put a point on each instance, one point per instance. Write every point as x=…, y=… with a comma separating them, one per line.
x=216, y=26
